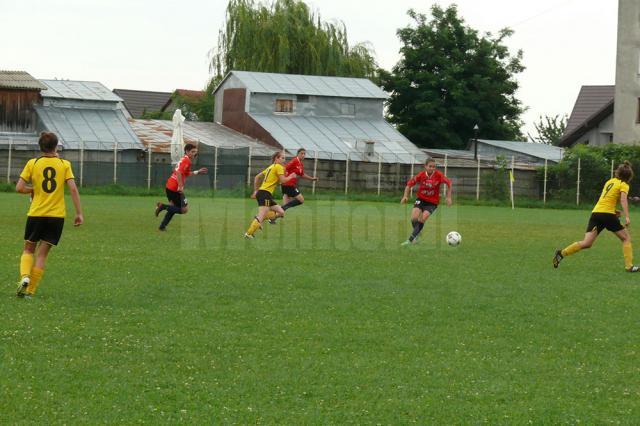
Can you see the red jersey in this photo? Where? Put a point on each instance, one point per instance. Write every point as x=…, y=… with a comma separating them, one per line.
x=429, y=189
x=293, y=166
x=184, y=168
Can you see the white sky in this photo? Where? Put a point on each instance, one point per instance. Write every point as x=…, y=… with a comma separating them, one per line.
x=161, y=45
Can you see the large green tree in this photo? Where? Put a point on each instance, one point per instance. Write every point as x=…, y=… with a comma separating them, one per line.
x=450, y=78
x=286, y=37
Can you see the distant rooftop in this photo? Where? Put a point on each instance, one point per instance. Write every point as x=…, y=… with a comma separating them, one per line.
x=294, y=84
x=591, y=99
x=139, y=101
x=19, y=80
x=539, y=150
x=79, y=90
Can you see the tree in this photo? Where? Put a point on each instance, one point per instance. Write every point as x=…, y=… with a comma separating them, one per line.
x=450, y=78
x=286, y=37
x=549, y=129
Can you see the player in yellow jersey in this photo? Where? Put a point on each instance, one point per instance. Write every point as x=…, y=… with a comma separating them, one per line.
x=605, y=216
x=264, y=184
x=44, y=179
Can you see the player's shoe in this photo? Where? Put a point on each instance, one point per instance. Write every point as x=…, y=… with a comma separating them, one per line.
x=557, y=258
x=159, y=208
x=22, y=287
x=406, y=243
x=633, y=269
x=272, y=222
x=248, y=237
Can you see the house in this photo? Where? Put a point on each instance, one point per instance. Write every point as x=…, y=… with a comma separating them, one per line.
x=19, y=92
x=592, y=118
x=138, y=102
x=335, y=118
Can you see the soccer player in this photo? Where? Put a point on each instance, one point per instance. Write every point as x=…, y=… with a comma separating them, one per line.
x=605, y=216
x=428, y=196
x=174, y=188
x=44, y=178
x=264, y=184
x=291, y=195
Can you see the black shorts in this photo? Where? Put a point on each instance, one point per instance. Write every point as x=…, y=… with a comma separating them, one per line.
x=290, y=191
x=47, y=229
x=176, y=198
x=608, y=221
x=265, y=198
x=425, y=205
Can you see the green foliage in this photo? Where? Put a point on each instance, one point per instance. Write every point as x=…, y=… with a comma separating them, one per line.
x=286, y=37
x=197, y=108
x=156, y=115
x=595, y=170
x=549, y=129
x=451, y=78
x=495, y=184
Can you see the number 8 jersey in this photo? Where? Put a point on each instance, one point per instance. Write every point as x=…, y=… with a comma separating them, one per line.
x=48, y=176
x=610, y=196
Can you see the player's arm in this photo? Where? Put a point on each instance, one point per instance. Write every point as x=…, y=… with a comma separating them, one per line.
x=201, y=171
x=256, y=183
x=284, y=179
x=305, y=176
x=625, y=207
x=23, y=187
x=75, y=197
x=447, y=182
x=407, y=190
x=180, y=180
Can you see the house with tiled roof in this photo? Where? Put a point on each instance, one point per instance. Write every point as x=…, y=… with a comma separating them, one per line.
x=138, y=102
x=592, y=119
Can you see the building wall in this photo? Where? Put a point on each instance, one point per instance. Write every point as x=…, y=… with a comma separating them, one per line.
x=318, y=106
x=16, y=110
x=627, y=97
x=235, y=117
x=230, y=83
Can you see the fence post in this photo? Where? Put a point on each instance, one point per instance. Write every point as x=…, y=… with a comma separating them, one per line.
x=346, y=175
x=478, y=181
x=9, y=161
x=611, y=169
x=249, y=169
x=544, y=188
x=379, y=171
x=115, y=162
x=315, y=169
x=149, y=169
x=511, y=179
x=215, y=169
x=81, y=163
x=578, y=185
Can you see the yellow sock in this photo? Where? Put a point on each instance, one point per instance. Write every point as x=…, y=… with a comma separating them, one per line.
x=36, y=276
x=571, y=249
x=254, y=227
x=26, y=264
x=271, y=215
x=627, y=251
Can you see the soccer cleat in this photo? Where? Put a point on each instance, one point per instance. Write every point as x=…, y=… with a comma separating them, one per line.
x=159, y=208
x=22, y=287
x=557, y=258
x=161, y=229
x=272, y=221
x=633, y=269
x=248, y=237
x=406, y=243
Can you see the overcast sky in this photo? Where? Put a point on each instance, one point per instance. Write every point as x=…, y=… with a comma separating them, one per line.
x=162, y=45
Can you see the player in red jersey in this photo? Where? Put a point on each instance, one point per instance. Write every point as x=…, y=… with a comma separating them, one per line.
x=428, y=196
x=291, y=195
x=175, y=186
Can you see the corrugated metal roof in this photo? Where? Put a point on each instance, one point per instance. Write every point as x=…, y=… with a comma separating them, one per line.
x=99, y=129
x=157, y=134
x=337, y=137
x=81, y=90
x=19, y=80
x=260, y=82
x=590, y=101
x=139, y=101
x=539, y=150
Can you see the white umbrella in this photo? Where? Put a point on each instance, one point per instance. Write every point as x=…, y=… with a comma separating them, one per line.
x=177, y=139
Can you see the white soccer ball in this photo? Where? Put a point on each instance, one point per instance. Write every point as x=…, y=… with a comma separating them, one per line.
x=454, y=238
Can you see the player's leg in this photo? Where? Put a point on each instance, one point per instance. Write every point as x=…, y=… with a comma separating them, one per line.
x=176, y=206
x=276, y=211
x=627, y=250
x=257, y=221
x=37, y=272
x=416, y=213
x=296, y=199
x=26, y=266
x=585, y=243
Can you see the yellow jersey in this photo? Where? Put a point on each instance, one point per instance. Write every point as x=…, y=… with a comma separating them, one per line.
x=610, y=196
x=47, y=176
x=271, y=177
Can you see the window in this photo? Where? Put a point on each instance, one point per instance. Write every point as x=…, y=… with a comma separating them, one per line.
x=347, y=109
x=303, y=98
x=284, y=105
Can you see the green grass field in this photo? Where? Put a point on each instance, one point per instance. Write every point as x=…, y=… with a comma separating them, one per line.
x=322, y=319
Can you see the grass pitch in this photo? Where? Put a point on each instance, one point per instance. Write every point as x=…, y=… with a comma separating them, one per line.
x=322, y=319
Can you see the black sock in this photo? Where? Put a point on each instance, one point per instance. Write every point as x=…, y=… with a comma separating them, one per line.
x=416, y=229
x=292, y=203
x=421, y=226
x=167, y=218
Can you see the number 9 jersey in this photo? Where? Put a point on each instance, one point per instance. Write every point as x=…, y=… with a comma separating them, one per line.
x=610, y=196
x=47, y=176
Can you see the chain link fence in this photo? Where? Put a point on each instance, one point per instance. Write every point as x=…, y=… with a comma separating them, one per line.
x=98, y=164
